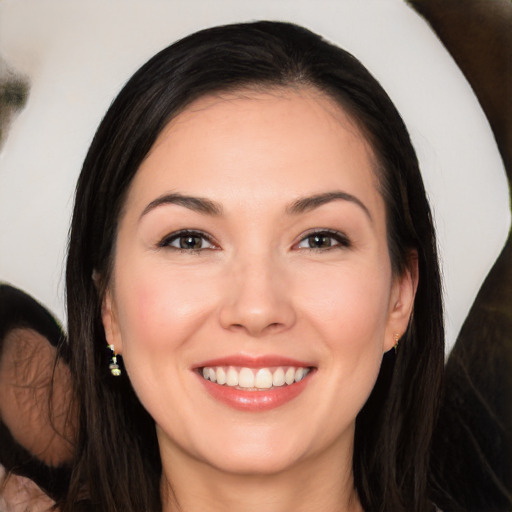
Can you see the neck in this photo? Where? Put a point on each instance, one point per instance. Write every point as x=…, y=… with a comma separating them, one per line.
x=319, y=484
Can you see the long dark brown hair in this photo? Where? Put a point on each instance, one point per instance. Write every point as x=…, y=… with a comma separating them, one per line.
x=117, y=464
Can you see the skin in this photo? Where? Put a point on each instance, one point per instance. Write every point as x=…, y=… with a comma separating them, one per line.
x=256, y=288
x=19, y=493
x=26, y=369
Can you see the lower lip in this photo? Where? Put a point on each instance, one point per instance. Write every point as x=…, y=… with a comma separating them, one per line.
x=256, y=401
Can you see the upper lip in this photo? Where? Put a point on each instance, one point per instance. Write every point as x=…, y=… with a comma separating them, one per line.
x=246, y=361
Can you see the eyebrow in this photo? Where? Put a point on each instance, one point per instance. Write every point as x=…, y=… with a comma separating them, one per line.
x=309, y=203
x=196, y=204
x=209, y=207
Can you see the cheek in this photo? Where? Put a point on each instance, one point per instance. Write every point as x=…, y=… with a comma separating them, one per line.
x=350, y=314
x=350, y=305
x=159, y=307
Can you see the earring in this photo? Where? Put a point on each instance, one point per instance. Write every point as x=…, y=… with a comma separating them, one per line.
x=113, y=365
x=396, y=337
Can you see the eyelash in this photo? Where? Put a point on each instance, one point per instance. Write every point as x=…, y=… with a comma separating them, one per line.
x=341, y=240
x=173, y=237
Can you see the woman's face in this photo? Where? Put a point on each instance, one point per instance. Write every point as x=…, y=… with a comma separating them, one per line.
x=252, y=250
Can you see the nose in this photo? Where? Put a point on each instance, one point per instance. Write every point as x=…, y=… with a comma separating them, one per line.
x=257, y=299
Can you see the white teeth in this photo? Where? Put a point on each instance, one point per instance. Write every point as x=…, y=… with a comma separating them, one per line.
x=232, y=377
x=221, y=376
x=246, y=378
x=289, y=377
x=278, y=377
x=263, y=379
x=251, y=378
x=299, y=374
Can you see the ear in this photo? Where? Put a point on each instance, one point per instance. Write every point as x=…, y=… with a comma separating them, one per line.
x=401, y=304
x=110, y=323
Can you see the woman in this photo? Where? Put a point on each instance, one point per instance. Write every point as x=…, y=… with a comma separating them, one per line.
x=249, y=241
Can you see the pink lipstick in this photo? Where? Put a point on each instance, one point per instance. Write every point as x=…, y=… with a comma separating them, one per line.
x=254, y=383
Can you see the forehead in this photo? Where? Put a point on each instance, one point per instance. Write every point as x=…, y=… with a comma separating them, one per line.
x=298, y=111
x=264, y=144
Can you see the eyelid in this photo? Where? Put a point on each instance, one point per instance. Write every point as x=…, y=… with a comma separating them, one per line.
x=341, y=238
x=165, y=242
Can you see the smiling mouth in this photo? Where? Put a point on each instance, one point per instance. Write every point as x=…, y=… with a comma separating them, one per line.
x=254, y=379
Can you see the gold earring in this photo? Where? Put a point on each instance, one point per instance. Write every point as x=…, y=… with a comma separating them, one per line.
x=396, y=337
x=113, y=365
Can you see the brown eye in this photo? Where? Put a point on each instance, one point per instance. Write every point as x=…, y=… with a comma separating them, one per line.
x=324, y=240
x=319, y=241
x=190, y=242
x=187, y=241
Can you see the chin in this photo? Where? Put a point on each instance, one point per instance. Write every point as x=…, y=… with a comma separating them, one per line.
x=255, y=462
x=260, y=450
